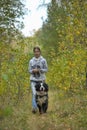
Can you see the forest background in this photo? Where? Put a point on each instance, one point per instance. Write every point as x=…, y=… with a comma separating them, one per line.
x=63, y=41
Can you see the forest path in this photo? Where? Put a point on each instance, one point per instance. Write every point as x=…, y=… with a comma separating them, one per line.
x=23, y=119
x=66, y=111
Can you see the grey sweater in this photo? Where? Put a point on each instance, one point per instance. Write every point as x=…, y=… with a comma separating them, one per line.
x=38, y=63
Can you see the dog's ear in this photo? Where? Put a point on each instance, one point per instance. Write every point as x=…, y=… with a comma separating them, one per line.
x=37, y=86
x=46, y=87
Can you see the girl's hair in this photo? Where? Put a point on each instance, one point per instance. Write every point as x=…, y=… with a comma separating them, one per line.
x=38, y=48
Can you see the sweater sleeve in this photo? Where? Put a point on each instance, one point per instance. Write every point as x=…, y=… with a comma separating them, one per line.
x=30, y=67
x=45, y=67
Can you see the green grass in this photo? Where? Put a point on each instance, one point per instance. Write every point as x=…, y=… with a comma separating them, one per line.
x=67, y=111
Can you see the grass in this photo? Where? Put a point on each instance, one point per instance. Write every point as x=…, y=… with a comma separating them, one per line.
x=67, y=111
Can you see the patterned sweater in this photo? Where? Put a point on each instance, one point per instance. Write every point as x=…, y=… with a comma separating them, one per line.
x=38, y=63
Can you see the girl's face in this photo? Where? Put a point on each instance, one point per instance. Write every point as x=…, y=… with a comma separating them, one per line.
x=37, y=53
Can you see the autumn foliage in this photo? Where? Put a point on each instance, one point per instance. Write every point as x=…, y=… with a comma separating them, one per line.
x=63, y=42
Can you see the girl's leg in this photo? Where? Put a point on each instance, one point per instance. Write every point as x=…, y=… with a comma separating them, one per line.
x=34, y=104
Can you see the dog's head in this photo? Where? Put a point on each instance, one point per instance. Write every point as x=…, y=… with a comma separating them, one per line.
x=41, y=87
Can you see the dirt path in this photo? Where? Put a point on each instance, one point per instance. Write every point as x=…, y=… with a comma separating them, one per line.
x=23, y=119
x=64, y=113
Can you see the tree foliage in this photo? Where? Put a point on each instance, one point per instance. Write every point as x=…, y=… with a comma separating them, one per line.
x=10, y=13
x=63, y=42
x=63, y=37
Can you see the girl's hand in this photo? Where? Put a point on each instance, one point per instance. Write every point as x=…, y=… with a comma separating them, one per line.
x=35, y=70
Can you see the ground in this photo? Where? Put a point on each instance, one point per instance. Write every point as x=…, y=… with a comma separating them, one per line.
x=62, y=114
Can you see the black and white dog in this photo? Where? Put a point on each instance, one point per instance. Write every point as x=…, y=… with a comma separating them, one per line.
x=42, y=96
